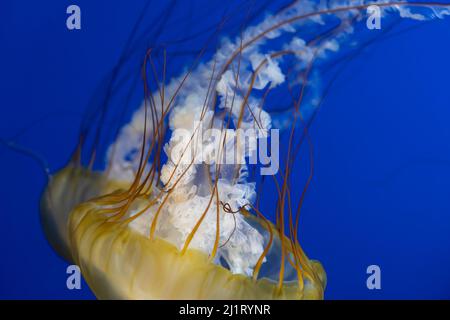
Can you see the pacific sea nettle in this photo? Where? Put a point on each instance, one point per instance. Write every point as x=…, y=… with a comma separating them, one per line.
x=174, y=213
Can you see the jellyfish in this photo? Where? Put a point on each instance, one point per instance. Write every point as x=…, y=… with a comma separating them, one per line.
x=175, y=211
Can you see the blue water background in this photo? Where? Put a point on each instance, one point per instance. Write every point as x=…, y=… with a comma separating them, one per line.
x=381, y=190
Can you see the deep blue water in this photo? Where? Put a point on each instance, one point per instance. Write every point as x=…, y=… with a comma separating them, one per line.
x=381, y=189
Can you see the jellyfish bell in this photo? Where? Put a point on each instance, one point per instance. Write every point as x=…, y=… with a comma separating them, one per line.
x=167, y=220
x=120, y=262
